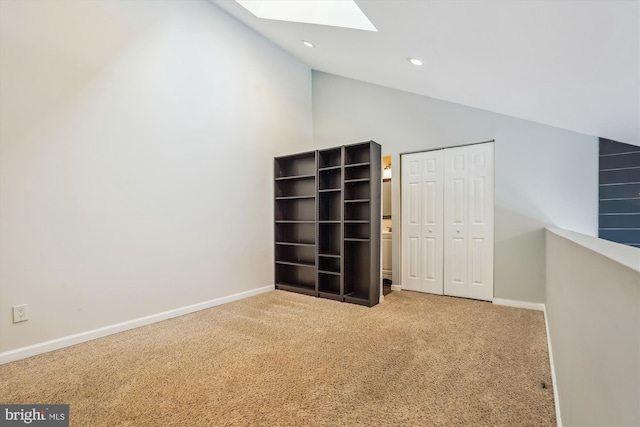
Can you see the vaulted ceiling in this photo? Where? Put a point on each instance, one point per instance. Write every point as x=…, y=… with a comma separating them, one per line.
x=574, y=64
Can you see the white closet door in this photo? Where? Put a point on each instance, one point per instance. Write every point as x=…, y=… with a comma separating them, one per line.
x=422, y=222
x=468, y=225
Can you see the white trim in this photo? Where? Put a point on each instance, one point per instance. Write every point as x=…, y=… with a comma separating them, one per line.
x=396, y=287
x=519, y=304
x=553, y=371
x=58, y=343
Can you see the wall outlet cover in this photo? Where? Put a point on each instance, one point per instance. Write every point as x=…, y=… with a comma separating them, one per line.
x=20, y=313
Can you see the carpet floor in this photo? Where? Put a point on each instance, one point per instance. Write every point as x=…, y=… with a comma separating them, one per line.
x=284, y=359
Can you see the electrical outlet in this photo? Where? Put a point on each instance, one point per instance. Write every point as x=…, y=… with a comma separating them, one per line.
x=20, y=313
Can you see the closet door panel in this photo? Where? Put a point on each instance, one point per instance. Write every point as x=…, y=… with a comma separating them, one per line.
x=432, y=225
x=480, y=232
x=468, y=211
x=456, y=202
x=411, y=221
x=422, y=222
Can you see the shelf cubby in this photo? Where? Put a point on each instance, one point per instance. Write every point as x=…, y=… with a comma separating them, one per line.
x=329, y=264
x=296, y=278
x=300, y=187
x=358, y=273
x=301, y=165
x=296, y=254
x=329, y=286
x=357, y=154
x=303, y=209
x=360, y=230
x=359, y=210
x=330, y=179
x=301, y=233
x=355, y=173
x=330, y=206
x=329, y=239
x=357, y=190
x=330, y=158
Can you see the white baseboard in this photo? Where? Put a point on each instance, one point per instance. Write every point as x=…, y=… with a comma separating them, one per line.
x=396, y=287
x=553, y=371
x=519, y=304
x=44, y=347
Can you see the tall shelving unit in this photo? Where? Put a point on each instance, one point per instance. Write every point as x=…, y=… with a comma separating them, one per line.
x=328, y=218
x=362, y=211
x=295, y=223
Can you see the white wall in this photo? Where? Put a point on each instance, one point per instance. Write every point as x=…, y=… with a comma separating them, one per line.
x=544, y=175
x=136, y=147
x=593, y=313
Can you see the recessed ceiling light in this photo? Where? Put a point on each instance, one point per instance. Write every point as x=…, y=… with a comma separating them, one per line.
x=308, y=44
x=344, y=13
x=415, y=61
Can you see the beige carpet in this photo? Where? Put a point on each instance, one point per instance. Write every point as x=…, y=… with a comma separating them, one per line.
x=283, y=359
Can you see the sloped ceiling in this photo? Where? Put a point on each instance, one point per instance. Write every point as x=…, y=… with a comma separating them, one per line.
x=574, y=64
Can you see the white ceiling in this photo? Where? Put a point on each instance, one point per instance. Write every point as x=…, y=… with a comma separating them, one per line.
x=573, y=64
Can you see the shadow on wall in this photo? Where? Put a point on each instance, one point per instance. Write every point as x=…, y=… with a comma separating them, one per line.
x=519, y=252
x=82, y=39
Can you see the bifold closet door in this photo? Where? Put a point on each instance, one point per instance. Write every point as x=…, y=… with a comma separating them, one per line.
x=468, y=221
x=422, y=222
x=447, y=221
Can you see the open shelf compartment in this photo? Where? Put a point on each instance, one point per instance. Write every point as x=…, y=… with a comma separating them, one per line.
x=303, y=233
x=357, y=154
x=303, y=187
x=298, y=165
x=296, y=279
x=330, y=179
x=329, y=239
x=330, y=158
x=296, y=209
x=330, y=204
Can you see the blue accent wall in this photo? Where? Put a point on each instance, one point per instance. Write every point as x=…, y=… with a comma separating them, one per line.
x=619, y=192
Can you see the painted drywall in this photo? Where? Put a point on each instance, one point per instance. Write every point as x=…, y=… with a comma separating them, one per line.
x=593, y=313
x=136, y=148
x=543, y=175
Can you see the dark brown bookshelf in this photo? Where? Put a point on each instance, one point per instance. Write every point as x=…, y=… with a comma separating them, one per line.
x=327, y=223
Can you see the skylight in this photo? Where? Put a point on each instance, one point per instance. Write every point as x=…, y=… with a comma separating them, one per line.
x=336, y=13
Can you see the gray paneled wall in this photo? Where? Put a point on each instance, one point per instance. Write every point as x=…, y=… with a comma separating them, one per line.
x=619, y=192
